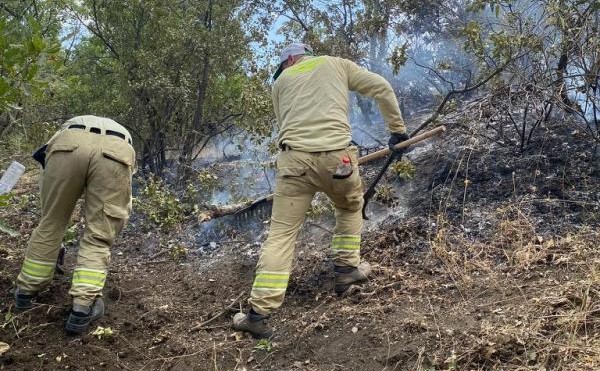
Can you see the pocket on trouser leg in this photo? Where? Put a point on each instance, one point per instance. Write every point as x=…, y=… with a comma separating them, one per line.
x=268, y=290
x=122, y=154
x=118, y=165
x=117, y=217
x=347, y=193
x=35, y=274
x=346, y=250
x=56, y=148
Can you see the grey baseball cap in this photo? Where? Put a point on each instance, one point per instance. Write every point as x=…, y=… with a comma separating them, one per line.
x=290, y=50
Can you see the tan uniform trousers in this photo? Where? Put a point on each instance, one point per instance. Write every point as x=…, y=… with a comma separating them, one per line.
x=299, y=176
x=76, y=161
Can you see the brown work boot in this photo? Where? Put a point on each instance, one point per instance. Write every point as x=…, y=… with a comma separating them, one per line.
x=254, y=323
x=347, y=276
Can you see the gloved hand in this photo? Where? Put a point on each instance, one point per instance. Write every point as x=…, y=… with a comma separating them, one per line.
x=396, y=138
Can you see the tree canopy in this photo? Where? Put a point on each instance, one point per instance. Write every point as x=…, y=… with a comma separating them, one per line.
x=179, y=74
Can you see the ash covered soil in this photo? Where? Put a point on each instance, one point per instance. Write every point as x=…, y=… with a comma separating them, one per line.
x=494, y=266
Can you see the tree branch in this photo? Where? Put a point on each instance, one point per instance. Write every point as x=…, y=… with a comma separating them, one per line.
x=452, y=93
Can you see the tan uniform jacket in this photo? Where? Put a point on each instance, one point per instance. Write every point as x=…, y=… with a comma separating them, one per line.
x=310, y=100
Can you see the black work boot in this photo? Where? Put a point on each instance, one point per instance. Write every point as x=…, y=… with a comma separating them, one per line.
x=23, y=300
x=346, y=276
x=254, y=323
x=81, y=316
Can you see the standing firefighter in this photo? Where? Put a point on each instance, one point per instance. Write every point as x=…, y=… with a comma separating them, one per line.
x=310, y=98
x=93, y=154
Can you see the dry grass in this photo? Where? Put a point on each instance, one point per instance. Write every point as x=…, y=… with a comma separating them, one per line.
x=513, y=297
x=550, y=319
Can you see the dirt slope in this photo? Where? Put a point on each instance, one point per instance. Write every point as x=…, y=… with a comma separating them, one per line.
x=495, y=267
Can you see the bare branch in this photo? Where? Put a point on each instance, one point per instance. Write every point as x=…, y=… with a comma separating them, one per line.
x=452, y=93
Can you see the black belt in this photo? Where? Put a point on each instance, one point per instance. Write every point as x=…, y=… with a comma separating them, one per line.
x=98, y=131
x=285, y=147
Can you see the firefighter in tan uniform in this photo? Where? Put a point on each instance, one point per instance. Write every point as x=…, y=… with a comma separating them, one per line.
x=95, y=155
x=310, y=98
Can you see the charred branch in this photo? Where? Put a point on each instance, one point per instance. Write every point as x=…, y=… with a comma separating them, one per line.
x=452, y=93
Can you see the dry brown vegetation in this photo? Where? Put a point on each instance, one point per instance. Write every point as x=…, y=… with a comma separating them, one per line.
x=494, y=266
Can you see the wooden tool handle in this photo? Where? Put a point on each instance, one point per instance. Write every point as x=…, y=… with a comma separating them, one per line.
x=406, y=143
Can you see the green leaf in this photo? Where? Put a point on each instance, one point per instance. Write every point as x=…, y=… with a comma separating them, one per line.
x=38, y=43
x=8, y=230
x=8, y=317
x=264, y=345
x=33, y=70
x=14, y=56
x=4, y=198
x=102, y=332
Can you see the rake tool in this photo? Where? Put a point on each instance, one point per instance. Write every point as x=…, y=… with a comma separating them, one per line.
x=258, y=207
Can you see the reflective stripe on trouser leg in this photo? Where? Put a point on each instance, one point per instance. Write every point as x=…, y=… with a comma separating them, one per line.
x=346, y=249
x=268, y=285
x=90, y=281
x=89, y=278
x=275, y=281
x=35, y=274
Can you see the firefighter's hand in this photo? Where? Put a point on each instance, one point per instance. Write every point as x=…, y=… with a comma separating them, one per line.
x=396, y=138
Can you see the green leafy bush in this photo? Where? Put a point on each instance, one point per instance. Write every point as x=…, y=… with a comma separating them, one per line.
x=159, y=205
x=404, y=169
x=207, y=180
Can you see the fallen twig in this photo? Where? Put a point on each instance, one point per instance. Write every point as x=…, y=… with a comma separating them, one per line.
x=145, y=314
x=381, y=288
x=201, y=325
x=161, y=252
x=155, y=261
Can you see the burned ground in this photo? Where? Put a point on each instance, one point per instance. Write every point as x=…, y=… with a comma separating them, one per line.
x=495, y=266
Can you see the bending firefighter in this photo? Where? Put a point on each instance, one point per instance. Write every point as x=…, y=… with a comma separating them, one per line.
x=310, y=98
x=95, y=155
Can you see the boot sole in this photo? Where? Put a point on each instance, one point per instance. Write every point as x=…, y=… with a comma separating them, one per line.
x=20, y=308
x=257, y=335
x=262, y=335
x=76, y=328
x=342, y=288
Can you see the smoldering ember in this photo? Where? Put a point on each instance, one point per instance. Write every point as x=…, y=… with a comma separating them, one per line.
x=300, y=185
